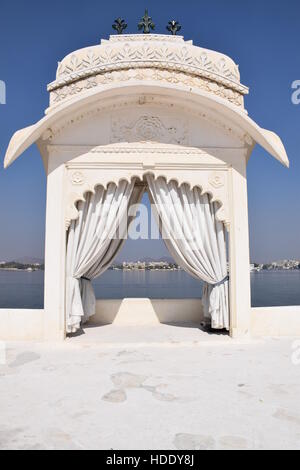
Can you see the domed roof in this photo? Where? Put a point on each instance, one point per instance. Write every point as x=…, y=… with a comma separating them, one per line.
x=142, y=63
x=152, y=53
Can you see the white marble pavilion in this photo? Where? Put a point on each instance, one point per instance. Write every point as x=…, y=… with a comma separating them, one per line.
x=157, y=113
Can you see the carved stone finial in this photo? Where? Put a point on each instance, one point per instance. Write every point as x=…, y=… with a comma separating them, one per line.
x=146, y=24
x=119, y=25
x=174, y=27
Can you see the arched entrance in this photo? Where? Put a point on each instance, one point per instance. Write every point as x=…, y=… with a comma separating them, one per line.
x=190, y=228
x=139, y=105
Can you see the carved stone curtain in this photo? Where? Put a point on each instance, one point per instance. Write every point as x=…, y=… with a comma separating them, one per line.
x=196, y=240
x=94, y=240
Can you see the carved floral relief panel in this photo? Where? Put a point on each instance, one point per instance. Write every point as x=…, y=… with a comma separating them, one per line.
x=150, y=127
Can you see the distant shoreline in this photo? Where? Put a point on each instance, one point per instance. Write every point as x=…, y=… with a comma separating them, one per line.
x=21, y=270
x=156, y=266
x=20, y=267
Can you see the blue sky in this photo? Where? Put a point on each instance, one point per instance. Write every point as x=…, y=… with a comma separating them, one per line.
x=262, y=37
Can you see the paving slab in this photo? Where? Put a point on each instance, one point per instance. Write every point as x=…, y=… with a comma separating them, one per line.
x=162, y=388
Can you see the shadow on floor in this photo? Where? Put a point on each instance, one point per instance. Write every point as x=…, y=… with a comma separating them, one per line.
x=202, y=328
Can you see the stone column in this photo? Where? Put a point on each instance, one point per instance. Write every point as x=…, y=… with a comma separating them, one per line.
x=55, y=254
x=239, y=256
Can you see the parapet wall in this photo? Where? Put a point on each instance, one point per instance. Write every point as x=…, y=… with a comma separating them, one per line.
x=148, y=312
x=28, y=325
x=275, y=321
x=21, y=325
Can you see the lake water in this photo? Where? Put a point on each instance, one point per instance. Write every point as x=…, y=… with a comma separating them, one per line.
x=269, y=288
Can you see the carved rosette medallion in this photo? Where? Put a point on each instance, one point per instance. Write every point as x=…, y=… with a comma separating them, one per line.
x=217, y=181
x=77, y=178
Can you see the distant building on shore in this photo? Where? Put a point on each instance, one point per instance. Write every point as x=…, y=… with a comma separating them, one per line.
x=146, y=266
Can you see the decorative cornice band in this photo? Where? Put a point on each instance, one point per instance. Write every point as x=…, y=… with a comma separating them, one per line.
x=142, y=150
x=74, y=76
x=145, y=75
x=145, y=37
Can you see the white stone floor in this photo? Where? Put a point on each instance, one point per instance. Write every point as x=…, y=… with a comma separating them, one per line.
x=162, y=388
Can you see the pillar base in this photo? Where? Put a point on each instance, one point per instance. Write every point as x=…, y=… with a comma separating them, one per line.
x=238, y=333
